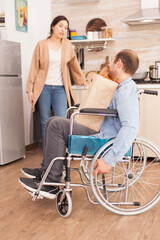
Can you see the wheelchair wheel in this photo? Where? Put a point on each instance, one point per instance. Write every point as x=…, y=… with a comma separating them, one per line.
x=64, y=203
x=135, y=187
x=136, y=164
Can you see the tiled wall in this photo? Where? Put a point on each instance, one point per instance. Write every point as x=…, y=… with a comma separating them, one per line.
x=144, y=39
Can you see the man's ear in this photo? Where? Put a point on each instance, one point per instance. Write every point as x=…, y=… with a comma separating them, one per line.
x=119, y=63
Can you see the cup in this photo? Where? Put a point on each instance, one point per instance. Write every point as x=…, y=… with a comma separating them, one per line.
x=100, y=34
x=95, y=35
x=90, y=35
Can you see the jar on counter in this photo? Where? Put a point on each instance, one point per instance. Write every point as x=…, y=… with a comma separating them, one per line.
x=106, y=32
x=95, y=35
x=100, y=34
x=90, y=35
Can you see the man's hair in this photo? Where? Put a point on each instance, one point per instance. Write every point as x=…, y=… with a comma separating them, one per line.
x=129, y=59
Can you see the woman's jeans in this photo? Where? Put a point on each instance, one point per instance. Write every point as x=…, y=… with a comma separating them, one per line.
x=55, y=97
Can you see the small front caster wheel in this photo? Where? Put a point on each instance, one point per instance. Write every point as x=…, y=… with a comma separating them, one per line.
x=64, y=203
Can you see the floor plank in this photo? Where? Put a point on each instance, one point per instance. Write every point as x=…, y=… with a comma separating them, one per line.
x=23, y=219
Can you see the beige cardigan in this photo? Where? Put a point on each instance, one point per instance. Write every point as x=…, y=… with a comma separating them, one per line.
x=39, y=69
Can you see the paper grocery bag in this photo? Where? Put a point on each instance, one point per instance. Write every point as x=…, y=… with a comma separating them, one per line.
x=99, y=95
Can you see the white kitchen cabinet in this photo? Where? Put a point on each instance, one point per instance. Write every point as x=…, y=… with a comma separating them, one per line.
x=150, y=115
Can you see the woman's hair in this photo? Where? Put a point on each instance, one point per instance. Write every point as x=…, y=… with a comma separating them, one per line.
x=57, y=20
x=129, y=59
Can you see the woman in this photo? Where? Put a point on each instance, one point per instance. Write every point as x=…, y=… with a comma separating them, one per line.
x=49, y=81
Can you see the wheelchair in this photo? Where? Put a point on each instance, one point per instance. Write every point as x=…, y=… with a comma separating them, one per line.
x=131, y=188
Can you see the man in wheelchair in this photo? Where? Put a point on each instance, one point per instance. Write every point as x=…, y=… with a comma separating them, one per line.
x=124, y=128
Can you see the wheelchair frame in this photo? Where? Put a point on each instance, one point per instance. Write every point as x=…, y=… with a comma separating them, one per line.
x=122, y=180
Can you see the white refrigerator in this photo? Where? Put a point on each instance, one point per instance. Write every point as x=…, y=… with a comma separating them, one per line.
x=12, y=145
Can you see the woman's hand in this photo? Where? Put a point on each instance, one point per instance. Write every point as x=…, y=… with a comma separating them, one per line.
x=85, y=84
x=30, y=97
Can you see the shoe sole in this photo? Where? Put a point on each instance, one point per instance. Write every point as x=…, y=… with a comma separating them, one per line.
x=42, y=193
x=27, y=175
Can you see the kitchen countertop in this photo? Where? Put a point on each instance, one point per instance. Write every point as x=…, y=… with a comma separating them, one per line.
x=151, y=86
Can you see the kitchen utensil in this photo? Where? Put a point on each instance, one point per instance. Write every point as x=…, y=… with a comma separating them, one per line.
x=95, y=35
x=157, y=63
x=79, y=37
x=104, y=69
x=77, y=53
x=153, y=72
x=95, y=49
x=90, y=35
x=95, y=25
x=82, y=58
x=140, y=76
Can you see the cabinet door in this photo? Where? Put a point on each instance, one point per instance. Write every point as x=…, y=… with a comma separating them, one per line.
x=150, y=117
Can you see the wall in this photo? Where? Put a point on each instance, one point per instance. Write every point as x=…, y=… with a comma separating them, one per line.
x=144, y=39
x=39, y=19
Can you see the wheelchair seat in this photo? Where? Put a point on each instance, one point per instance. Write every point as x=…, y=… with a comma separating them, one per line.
x=77, y=143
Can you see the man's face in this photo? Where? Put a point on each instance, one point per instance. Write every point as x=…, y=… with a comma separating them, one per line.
x=112, y=68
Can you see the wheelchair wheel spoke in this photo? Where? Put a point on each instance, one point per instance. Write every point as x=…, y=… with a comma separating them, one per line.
x=134, y=185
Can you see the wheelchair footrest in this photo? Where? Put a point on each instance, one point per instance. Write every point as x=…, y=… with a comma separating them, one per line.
x=35, y=195
x=127, y=203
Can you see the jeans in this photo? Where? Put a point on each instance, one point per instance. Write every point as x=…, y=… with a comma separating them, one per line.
x=55, y=97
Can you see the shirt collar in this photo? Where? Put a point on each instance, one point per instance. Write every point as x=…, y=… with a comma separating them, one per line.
x=125, y=81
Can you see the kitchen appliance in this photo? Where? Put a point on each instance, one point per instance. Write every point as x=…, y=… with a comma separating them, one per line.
x=157, y=63
x=149, y=13
x=12, y=145
x=140, y=76
x=154, y=71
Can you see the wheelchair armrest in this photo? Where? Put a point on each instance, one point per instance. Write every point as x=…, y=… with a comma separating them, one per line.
x=72, y=108
x=99, y=111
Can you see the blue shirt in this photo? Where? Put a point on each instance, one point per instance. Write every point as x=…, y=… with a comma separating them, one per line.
x=124, y=127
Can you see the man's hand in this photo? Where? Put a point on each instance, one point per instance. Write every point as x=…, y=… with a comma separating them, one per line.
x=101, y=167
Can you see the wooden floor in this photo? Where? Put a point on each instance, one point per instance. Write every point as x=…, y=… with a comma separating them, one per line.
x=23, y=219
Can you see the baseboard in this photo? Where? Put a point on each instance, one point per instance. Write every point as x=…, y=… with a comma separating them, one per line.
x=33, y=146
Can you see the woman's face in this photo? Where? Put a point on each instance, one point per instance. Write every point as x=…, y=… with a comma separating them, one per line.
x=60, y=29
